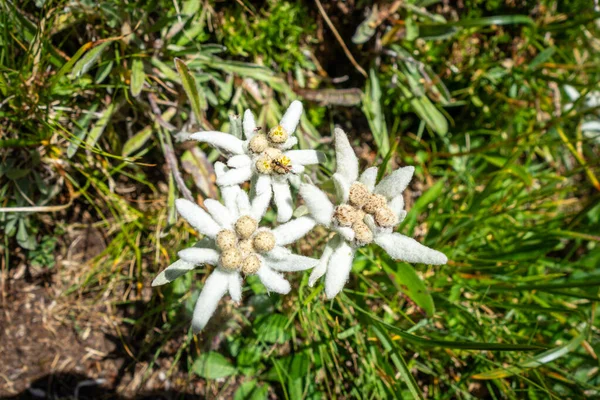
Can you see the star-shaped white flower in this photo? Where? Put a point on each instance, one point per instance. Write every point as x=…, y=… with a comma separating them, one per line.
x=234, y=243
x=366, y=213
x=264, y=158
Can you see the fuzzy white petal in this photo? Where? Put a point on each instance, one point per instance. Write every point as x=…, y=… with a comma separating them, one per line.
x=214, y=289
x=345, y=232
x=172, y=272
x=291, y=142
x=342, y=187
x=293, y=230
x=291, y=262
x=283, y=199
x=369, y=178
x=321, y=268
x=298, y=169
x=338, y=269
x=235, y=176
x=347, y=163
x=317, y=203
x=197, y=256
x=197, y=218
x=273, y=281
x=403, y=248
x=291, y=118
x=243, y=203
x=397, y=206
x=235, y=286
x=262, y=197
x=219, y=213
x=590, y=126
x=395, y=183
x=228, y=193
x=305, y=157
x=249, y=124
x=239, y=161
x=222, y=141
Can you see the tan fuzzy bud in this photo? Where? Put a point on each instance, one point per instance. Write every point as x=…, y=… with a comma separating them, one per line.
x=246, y=247
x=264, y=241
x=263, y=165
x=226, y=239
x=278, y=135
x=386, y=218
x=245, y=226
x=362, y=233
x=258, y=143
x=230, y=259
x=345, y=215
x=251, y=264
x=374, y=203
x=272, y=153
x=359, y=194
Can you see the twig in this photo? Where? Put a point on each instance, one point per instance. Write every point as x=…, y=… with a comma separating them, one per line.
x=170, y=154
x=340, y=40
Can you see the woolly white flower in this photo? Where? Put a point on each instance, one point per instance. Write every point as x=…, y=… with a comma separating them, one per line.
x=367, y=213
x=264, y=158
x=235, y=244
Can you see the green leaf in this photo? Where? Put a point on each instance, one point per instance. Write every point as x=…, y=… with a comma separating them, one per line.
x=191, y=88
x=273, y=329
x=137, y=141
x=366, y=29
x=213, y=365
x=410, y=284
x=87, y=61
x=374, y=113
x=537, y=361
x=138, y=76
x=100, y=126
x=81, y=131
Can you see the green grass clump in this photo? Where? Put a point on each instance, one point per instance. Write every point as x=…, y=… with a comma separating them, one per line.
x=506, y=185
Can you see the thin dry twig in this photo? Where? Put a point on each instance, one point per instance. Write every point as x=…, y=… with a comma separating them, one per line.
x=339, y=39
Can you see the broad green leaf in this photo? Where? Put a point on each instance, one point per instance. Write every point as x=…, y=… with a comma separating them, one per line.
x=213, y=365
x=191, y=88
x=273, y=329
x=137, y=141
x=79, y=134
x=87, y=61
x=409, y=283
x=138, y=76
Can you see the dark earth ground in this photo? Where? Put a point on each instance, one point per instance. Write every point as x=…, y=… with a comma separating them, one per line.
x=57, y=346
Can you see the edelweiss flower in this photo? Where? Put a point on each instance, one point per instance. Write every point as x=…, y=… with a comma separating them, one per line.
x=235, y=244
x=366, y=214
x=264, y=157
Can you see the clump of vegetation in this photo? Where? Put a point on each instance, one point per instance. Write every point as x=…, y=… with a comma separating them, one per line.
x=95, y=98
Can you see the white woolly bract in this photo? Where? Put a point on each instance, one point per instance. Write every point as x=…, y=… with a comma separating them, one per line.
x=273, y=281
x=318, y=203
x=197, y=256
x=321, y=268
x=403, y=248
x=239, y=161
x=305, y=157
x=263, y=193
x=397, y=206
x=338, y=269
x=249, y=124
x=395, y=183
x=235, y=176
x=283, y=199
x=197, y=218
x=369, y=178
x=172, y=272
x=291, y=262
x=293, y=230
x=214, y=289
x=221, y=140
x=347, y=163
x=291, y=118
x=243, y=203
x=219, y=213
x=291, y=142
x=234, y=287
